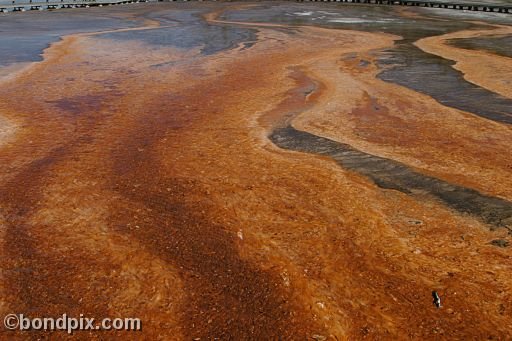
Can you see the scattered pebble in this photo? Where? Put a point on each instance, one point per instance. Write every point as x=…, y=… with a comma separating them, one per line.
x=286, y=279
x=437, y=299
x=500, y=243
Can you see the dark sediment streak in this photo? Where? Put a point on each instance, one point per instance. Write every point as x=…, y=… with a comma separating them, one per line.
x=498, y=45
x=390, y=174
x=435, y=77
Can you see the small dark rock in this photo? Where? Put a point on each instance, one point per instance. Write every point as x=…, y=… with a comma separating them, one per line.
x=437, y=299
x=500, y=243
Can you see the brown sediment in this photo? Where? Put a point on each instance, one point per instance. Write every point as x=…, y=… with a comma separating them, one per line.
x=155, y=193
x=483, y=68
x=398, y=123
x=8, y=72
x=224, y=296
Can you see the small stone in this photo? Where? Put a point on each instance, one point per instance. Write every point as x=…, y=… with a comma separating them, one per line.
x=437, y=299
x=286, y=279
x=500, y=243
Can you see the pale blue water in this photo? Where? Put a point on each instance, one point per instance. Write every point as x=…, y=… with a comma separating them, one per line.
x=24, y=36
x=191, y=32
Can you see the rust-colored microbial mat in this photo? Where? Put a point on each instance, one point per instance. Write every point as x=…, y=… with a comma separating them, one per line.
x=257, y=171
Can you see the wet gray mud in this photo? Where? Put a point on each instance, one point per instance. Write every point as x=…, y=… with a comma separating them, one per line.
x=390, y=174
x=500, y=45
